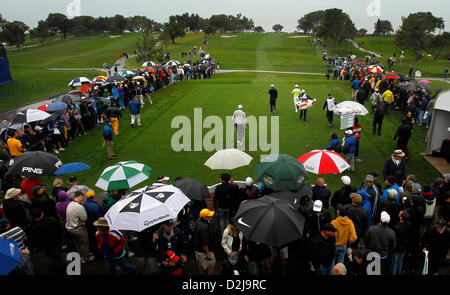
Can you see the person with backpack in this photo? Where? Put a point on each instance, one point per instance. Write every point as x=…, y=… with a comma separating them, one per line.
x=330, y=105
x=108, y=136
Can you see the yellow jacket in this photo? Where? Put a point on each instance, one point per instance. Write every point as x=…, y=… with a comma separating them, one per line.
x=345, y=230
x=388, y=96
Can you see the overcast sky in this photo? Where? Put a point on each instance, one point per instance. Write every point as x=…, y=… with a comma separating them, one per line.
x=265, y=13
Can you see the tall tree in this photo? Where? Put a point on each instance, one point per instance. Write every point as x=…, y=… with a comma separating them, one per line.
x=259, y=29
x=59, y=23
x=336, y=25
x=14, y=32
x=277, y=28
x=310, y=22
x=383, y=27
x=174, y=28
x=147, y=49
x=118, y=23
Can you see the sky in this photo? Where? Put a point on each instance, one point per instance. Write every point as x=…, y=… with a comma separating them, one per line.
x=265, y=13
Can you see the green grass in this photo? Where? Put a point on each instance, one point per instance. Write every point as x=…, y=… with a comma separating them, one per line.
x=386, y=47
x=151, y=143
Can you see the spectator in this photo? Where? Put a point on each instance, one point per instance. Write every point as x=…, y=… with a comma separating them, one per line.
x=204, y=243
x=391, y=206
x=321, y=192
x=94, y=212
x=322, y=249
x=339, y=270
x=395, y=165
x=232, y=240
x=225, y=197
x=373, y=194
x=349, y=149
x=317, y=219
x=257, y=255
x=342, y=196
x=359, y=216
x=401, y=230
x=390, y=184
x=43, y=201
x=345, y=235
x=436, y=241
x=17, y=211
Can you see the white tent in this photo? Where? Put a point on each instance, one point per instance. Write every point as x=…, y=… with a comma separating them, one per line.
x=440, y=122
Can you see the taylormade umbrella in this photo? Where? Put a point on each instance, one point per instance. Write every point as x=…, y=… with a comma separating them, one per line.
x=228, y=159
x=9, y=256
x=193, y=189
x=348, y=106
x=30, y=115
x=72, y=168
x=281, y=172
x=123, y=175
x=146, y=207
x=79, y=81
x=34, y=164
x=324, y=162
x=271, y=221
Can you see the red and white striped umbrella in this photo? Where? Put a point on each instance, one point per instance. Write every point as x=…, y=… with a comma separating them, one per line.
x=324, y=162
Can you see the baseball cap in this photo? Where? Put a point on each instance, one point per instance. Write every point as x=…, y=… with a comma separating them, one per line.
x=349, y=132
x=346, y=180
x=329, y=227
x=240, y=106
x=385, y=218
x=370, y=178
x=303, y=90
x=206, y=213
x=38, y=128
x=271, y=85
x=3, y=224
x=296, y=86
x=162, y=178
x=317, y=206
x=441, y=222
x=90, y=194
x=168, y=222
x=249, y=181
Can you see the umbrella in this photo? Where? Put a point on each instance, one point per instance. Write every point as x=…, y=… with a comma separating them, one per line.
x=68, y=98
x=81, y=188
x=413, y=86
x=79, y=81
x=324, y=162
x=391, y=76
x=100, y=78
x=148, y=70
x=424, y=86
x=146, y=207
x=353, y=56
x=292, y=197
x=425, y=81
x=34, y=164
x=123, y=175
x=43, y=107
x=127, y=73
x=53, y=96
x=228, y=159
x=376, y=69
x=30, y=115
x=106, y=101
x=9, y=256
x=72, y=168
x=271, y=221
x=281, y=172
x=349, y=106
x=112, y=109
x=138, y=78
x=193, y=189
x=52, y=117
x=173, y=63
x=148, y=64
x=76, y=92
x=115, y=79
x=57, y=106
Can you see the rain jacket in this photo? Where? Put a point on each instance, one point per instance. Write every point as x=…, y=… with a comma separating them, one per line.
x=346, y=231
x=365, y=203
x=61, y=206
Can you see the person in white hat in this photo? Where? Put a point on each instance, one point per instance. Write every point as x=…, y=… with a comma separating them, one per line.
x=240, y=120
x=318, y=218
x=349, y=149
x=296, y=96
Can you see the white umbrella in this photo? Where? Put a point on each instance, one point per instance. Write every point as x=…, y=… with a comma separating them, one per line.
x=348, y=106
x=228, y=159
x=146, y=207
x=173, y=63
x=148, y=64
x=30, y=115
x=79, y=81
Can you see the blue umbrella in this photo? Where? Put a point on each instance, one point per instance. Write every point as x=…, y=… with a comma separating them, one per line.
x=9, y=256
x=72, y=168
x=57, y=106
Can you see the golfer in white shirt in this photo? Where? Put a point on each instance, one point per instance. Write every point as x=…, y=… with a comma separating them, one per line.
x=240, y=120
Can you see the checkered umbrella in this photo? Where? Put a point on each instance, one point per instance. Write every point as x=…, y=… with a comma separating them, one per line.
x=123, y=175
x=79, y=81
x=146, y=207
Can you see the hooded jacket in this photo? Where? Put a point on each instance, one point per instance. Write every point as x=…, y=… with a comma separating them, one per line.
x=359, y=217
x=61, y=206
x=345, y=231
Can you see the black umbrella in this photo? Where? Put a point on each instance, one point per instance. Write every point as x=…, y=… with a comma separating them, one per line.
x=34, y=164
x=113, y=109
x=53, y=96
x=193, y=189
x=115, y=79
x=270, y=221
x=52, y=117
x=291, y=197
x=424, y=86
x=68, y=98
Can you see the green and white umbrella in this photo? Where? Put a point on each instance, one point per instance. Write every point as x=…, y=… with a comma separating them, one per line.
x=123, y=175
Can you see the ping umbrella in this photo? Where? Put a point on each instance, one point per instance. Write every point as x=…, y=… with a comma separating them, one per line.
x=146, y=207
x=193, y=189
x=324, y=162
x=34, y=164
x=270, y=220
x=30, y=115
x=79, y=81
x=281, y=172
x=57, y=106
x=148, y=64
x=228, y=159
x=349, y=106
x=9, y=256
x=72, y=168
x=123, y=175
